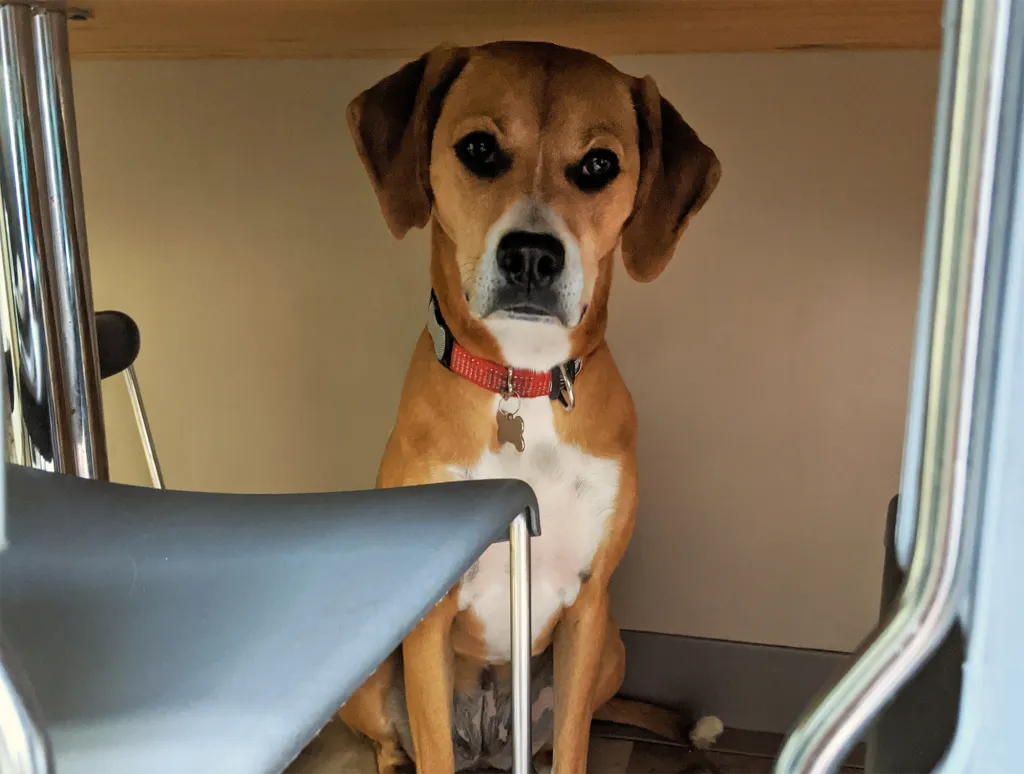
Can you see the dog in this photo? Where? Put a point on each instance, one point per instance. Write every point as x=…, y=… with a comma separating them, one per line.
x=536, y=167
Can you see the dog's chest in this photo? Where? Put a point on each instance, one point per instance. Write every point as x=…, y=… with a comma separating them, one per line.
x=576, y=493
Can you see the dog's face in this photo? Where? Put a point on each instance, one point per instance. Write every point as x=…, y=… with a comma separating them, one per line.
x=534, y=168
x=538, y=163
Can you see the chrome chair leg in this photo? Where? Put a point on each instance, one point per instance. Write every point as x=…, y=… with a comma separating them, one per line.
x=519, y=579
x=145, y=432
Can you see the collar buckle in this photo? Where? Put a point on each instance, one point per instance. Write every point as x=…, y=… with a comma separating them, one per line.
x=566, y=393
x=510, y=387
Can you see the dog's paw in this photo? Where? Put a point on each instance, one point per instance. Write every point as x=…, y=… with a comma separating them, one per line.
x=705, y=732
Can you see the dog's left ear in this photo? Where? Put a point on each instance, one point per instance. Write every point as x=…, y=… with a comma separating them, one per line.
x=678, y=173
x=392, y=124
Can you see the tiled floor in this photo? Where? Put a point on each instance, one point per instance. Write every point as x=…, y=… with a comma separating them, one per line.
x=338, y=751
x=738, y=752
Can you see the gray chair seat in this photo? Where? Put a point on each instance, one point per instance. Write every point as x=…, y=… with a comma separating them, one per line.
x=173, y=632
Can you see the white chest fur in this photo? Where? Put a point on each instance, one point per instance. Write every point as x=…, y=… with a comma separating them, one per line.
x=576, y=494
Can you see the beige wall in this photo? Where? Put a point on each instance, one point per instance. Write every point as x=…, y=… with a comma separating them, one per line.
x=228, y=214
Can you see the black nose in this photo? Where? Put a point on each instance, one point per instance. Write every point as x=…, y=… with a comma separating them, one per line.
x=530, y=260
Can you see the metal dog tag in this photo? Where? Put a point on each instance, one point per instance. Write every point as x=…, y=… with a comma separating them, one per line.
x=510, y=430
x=510, y=425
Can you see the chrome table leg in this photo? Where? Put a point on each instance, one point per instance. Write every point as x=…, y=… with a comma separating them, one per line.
x=49, y=330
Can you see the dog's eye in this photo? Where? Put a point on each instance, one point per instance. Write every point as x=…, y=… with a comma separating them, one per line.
x=480, y=154
x=595, y=170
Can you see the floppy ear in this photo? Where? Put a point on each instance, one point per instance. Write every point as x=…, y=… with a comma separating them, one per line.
x=392, y=124
x=678, y=173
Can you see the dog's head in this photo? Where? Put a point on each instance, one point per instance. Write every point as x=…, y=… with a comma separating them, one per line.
x=537, y=164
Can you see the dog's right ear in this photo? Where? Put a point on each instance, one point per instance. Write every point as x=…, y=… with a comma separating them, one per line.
x=392, y=124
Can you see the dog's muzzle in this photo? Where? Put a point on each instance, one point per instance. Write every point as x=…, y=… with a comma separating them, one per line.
x=530, y=266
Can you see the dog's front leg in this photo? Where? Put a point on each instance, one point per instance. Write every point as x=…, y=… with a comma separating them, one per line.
x=578, y=641
x=427, y=654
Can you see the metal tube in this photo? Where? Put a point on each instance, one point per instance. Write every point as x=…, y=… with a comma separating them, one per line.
x=939, y=566
x=522, y=640
x=31, y=339
x=77, y=325
x=145, y=433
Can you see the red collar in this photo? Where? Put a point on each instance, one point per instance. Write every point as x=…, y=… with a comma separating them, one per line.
x=556, y=384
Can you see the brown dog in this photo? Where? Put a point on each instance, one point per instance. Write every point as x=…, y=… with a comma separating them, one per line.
x=536, y=166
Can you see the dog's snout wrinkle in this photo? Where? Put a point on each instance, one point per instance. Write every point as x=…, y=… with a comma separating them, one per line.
x=530, y=260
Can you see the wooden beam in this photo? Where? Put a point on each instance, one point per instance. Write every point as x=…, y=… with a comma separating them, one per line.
x=348, y=29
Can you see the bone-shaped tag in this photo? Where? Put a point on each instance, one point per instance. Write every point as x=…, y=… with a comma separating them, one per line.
x=510, y=430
